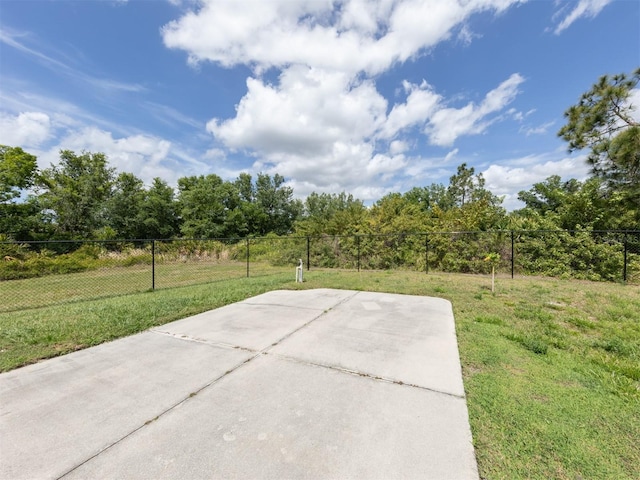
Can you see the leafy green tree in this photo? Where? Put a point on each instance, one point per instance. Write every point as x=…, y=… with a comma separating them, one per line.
x=25, y=220
x=277, y=209
x=434, y=195
x=18, y=170
x=246, y=217
x=462, y=184
x=76, y=190
x=547, y=196
x=136, y=212
x=159, y=211
x=123, y=208
x=574, y=205
x=394, y=213
x=213, y=208
x=603, y=122
x=246, y=188
x=391, y=218
x=331, y=214
x=465, y=186
x=202, y=206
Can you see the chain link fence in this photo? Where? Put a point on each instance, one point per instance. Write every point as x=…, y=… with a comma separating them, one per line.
x=599, y=256
x=36, y=274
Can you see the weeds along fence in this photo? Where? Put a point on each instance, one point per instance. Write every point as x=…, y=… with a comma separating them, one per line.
x=36, y=274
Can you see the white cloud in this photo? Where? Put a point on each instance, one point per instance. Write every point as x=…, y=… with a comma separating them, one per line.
x=48, y=125
x=584, y=8
x=520, y=174
x=324, y=127
x=27, y=129
x=62, y=114
x=215, y=154
x=539, y=130
x=466, y=36
x=451, y=155
x=398, y=146
x=421, y=103
x=323, y=122
x=145, y=156
x=142, y=155
x=357, y=36
x=634, y=102
x=314, y=125
x=447, y=124
x=424, y=171
x=305, y=114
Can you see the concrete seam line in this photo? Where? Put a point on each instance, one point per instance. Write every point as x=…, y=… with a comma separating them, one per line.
x=279, y=305
x=363, y=375
x=295, y=330
x=196, y=392
x=187, y=338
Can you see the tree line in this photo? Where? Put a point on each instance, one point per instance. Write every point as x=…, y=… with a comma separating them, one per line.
x=83, y=197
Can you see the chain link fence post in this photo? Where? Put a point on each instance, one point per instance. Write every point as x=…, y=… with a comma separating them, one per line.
x=624, y=267
x=426, y=253
x=153, y=264
x=513, y=258
x=247, y=245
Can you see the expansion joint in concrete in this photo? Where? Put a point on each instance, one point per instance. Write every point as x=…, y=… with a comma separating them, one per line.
x=358, y=373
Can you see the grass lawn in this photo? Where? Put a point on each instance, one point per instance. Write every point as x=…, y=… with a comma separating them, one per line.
x=551, y=367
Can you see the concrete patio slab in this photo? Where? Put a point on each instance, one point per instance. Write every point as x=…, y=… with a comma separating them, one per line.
x=396, y=337
x=278, y=419
x=57, y=413
x=289, y=384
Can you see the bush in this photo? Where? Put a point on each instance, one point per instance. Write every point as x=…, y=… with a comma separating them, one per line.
x=581, y=254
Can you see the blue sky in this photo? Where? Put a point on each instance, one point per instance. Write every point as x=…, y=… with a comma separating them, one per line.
x=367, y=97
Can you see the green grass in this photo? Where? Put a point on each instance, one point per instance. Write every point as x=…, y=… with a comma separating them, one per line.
x=551, y=367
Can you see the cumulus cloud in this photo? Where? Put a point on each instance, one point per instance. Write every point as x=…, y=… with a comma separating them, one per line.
x=350, y=36
x=327, y=128
x=447, y=124
x=27, y=129
x=142, y=155
x=305, y=114
x=146, y=156
x=584, y=8
x=422, y=102
x=513, y=176
x=322, y=121
x=398, y=146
